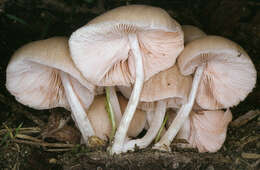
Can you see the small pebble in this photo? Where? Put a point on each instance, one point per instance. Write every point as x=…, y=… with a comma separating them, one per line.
x=52, y=161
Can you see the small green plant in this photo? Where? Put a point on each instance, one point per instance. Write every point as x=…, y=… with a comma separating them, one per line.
x=111, y=114
x=11, y=134
x=161, y=128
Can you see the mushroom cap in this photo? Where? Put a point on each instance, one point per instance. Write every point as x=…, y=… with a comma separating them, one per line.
x=99, y=118
x=229, y=74
x=192, y=33
x=100, y=121
x=205, y=130
x=208, y=129
x=102, y=52
x=32, y=75
x=166, y=84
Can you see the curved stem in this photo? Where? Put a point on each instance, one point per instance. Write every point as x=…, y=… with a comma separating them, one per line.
x=182, y=115
x=78, y=113
x=152, y=131
x=134, y=98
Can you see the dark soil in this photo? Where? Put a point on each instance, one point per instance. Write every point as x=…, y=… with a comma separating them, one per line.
x=23, y=21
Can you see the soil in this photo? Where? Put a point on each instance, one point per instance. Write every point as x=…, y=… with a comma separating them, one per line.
x=23, y=21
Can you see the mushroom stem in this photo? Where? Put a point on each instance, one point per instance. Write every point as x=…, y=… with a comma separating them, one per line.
x=78, y=113
x=149, y=117
x=152, y=131
x=134, y=98
x=182, y=115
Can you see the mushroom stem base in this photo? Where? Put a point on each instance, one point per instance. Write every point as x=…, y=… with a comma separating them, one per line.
x=152, y=131
x=78, y=113
x=182, y=115
x=134, y=98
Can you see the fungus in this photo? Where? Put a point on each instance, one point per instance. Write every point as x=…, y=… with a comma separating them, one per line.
x=42, y=75
x=168, y=89
x=125, y=46
x=224, y=76
x=204, y=129
x=192, y=33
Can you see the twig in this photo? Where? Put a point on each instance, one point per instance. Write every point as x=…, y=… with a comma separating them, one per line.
x=248, y=140
x=28, y=130
x=45, y=144
x=59, y=150
x=250, y=155
x=242, y=120
x=21, y=136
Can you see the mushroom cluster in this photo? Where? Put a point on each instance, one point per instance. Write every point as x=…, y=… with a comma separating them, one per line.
x=124, y=69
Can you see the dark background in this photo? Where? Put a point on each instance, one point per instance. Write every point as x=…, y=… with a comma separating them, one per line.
x=23, y=21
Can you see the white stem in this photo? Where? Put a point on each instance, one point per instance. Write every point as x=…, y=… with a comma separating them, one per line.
x=149, y=117
x=152, y=131
x=115, y=104
x=182, y=115
x=134, y=98
x=78, y=112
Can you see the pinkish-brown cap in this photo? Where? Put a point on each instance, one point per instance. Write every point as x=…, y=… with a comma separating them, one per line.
x=229, y=73
x=32, y=75
x=192, y=33
x=169, y=84
x=101, y=49
x=204, y=130
x=208, y=129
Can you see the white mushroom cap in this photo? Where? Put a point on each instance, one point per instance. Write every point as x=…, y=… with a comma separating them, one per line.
x=101, y=49
x=208, y=129
x=32, y=75
x=204, y=130
x=192, y=33
x=229, y=73
x=101, y=124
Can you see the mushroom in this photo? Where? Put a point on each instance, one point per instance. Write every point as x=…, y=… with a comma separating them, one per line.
x=99, y=118
x=169, y=89
x=224, y=76
x=205, y=129
x=42, y=75
x=192, y=33
x=125, y=46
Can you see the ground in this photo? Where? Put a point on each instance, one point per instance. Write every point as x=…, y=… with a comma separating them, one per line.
x=22, y=21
